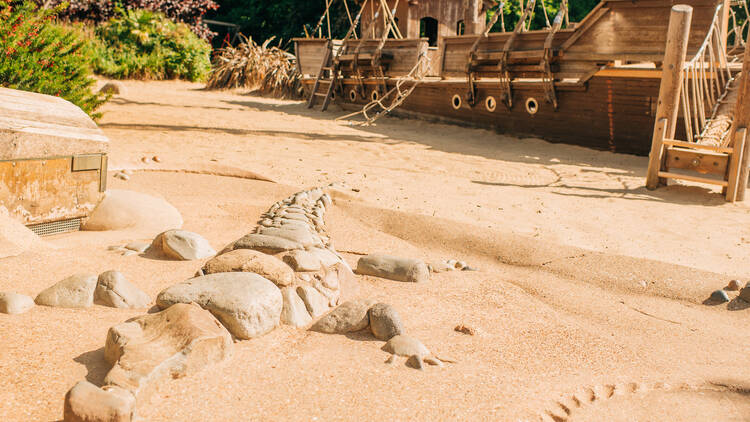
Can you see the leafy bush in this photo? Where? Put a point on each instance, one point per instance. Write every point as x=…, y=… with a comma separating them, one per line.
x=249, y=65
x=187, y=11
x=147, y=45
x=38, y=55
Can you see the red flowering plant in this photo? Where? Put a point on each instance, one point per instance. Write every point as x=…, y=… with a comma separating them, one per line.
x=39, y=55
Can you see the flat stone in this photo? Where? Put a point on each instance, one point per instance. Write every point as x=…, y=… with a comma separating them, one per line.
x=301, y=236
x=246, y=303
x=86, y=402
x=154, y=348
x=266, y=244
x=301, y=260
x=248, y=260
x=76, y=291
x=402, y=345
x=15, y=303
x=385, y=322
x=745, y=293
x=122, y=209
x=294, y=312
x=182, y=245
x=326, y=257
x=315, y=302
x=112, y=289
x=139, y=247
x=348, y=317
x=393, y=268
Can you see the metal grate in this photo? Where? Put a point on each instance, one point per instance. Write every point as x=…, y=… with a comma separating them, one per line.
x=56, y=227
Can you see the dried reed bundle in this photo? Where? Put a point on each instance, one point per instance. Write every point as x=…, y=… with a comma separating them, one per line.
x=270, y=70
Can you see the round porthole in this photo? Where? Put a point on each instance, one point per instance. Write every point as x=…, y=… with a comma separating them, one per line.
x=490, y=103
x=532, y=105
x=375, y=95
x=352, y=95
x=456, y=102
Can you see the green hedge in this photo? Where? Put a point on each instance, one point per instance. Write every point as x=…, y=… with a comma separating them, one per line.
x=38, y=55
x=146, y=45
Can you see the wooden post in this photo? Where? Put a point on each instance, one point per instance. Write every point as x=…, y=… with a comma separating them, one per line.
x=669, y=91
x=742, y=121
x=724, y=20
x=474, y=20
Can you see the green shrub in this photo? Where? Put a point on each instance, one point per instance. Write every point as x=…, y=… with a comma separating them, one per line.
x=146, y=45
x=38, y=55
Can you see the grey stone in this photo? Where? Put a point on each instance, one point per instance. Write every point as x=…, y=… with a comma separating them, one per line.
x=348, y=317
x=385, y=322
x=393, y=268
x=76, y=291
x=246, y=303
x=112, y=289
x=15, y=303
x=315, y=302
x=248, y=260
x=745, y=293
x=418, y=354
x=294, y=312
x=265, y=244
x=719, y=296
x=301, y=260
x=183, y=245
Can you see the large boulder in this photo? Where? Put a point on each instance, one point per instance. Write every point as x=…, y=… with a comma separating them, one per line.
x=250, y=261
x=154, y=348
x=76, y=291
x=14, y=303
x=112, y=289
x=122, y=209
x=246, y=303
x=182, y=245
x=346, y=318
x=15, y=238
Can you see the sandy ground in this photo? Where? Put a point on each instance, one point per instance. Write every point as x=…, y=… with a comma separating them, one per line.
x=587, y=302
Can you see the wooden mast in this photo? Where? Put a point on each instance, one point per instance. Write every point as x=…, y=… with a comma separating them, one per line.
x=739, y=133
x=678, y=35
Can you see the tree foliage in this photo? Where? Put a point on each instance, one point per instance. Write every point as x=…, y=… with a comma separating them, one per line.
x=39, y=55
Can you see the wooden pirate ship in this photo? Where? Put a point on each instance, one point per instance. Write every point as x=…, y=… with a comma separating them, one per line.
x=593, y=83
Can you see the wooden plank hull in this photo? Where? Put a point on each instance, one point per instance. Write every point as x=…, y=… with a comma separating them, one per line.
x=609, y=112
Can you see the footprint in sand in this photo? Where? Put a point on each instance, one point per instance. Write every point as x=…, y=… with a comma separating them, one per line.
x=660, y=401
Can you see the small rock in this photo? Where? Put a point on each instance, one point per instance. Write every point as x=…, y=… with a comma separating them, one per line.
x=112, y=289
x=733, y=286
x=248, y=260
x=145, y=160
x=246, y=303
x=122, y=176
x=301, y=236
x=393, y=268
x=86, y=402
x=719, y=296
x=139, y=247
x=301, y=260
x=385, y=322
x=15, y=303
x=315, y=302
x=183, y=245
x=464, y=329
x=745, y=293
x=326, y=257
x=76, y=291
x=348, y=317
x=156, y=159
x=294, y=312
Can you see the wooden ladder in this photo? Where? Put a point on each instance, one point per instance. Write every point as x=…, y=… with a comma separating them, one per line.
x=327, y=78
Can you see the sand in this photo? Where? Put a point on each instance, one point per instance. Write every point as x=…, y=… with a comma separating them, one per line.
x=587, y=303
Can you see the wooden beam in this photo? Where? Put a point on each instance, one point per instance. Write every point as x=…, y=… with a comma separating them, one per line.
x=678, y=35
x=668, y=175
x=742, y=121
x=693, y=145
x=733, y=172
